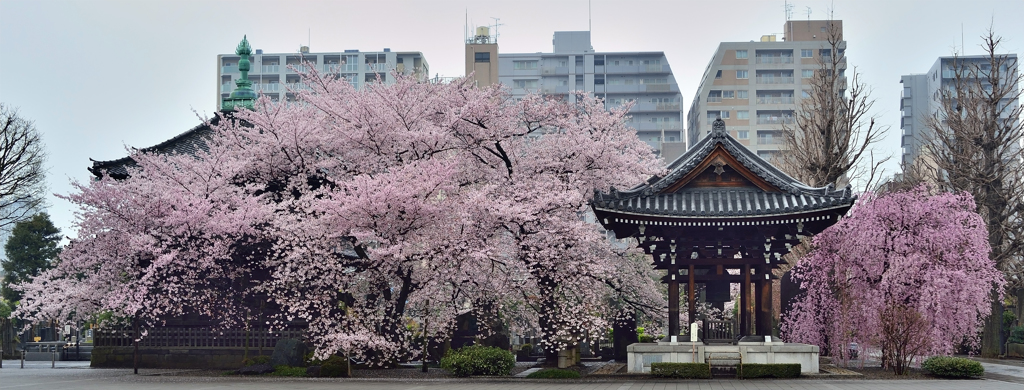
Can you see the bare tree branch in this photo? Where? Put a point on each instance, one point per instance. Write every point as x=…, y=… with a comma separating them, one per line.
x=22, y=175
x=834, y=131
x=975, y=146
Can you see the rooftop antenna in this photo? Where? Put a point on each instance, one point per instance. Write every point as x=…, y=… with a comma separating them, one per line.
x=309, y=36
x=590, y=17
x=789, y=10
x=465, y=28
x=496, y=24
x=808, y=14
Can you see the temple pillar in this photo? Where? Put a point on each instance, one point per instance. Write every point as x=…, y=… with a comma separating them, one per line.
x=745, y=302
x=764, y=303
x=673, y=301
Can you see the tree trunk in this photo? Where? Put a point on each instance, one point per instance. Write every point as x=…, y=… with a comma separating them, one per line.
x=991, y=336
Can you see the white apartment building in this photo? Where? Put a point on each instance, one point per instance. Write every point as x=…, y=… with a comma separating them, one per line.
x=921, y=98
x=644, y=78
x=275, y=74
x=756, y=87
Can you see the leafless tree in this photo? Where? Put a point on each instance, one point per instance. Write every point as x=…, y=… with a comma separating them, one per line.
x=22, y=174
x=975, y=146
x=831, y=142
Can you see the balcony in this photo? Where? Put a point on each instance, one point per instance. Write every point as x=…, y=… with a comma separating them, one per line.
x=649, y=126
x=775, y=80
x=299, y=87
x=229, y=69
x=227, y=87
x=714, y=99
x=298, y=68
x=378, y=68
x=654, y=68
x=655, y=107
x=774, y=120
x=775, y=100
x=268, y=87
x=331, y=68
x=773, y=60
x=270, y=69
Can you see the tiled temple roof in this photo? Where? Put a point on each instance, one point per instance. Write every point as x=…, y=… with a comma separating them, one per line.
x=668, y=196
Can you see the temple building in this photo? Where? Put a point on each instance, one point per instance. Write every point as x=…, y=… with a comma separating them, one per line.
x=721, y=216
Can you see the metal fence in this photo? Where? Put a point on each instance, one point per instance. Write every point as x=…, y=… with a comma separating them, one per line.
x=194, y=337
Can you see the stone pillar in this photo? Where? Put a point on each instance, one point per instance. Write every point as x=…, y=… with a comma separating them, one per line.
x=691, y=296
x=764, y=302
x=673, y=302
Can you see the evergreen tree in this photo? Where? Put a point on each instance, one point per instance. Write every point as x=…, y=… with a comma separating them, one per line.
x=31, y=249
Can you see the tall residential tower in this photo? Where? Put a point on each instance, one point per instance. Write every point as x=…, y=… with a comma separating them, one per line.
x=756, y=87
x=644, y=78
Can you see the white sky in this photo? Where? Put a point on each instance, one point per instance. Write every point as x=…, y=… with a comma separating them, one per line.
x=97, y=76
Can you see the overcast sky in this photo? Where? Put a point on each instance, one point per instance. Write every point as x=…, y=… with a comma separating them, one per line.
x=97, y=76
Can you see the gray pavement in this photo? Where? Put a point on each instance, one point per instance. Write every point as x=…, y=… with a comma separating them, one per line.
x=77, y=375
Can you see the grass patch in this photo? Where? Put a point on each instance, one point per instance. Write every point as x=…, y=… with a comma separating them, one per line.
x=681, y=370
x=554, y=373
x=754, y=370
x=288, y=371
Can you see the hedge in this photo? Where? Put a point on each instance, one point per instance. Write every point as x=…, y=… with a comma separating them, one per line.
x=478, y=360
x=554, y=373
x=334, y=367
x=681, y=370
x=953, y=367
x=754, y=370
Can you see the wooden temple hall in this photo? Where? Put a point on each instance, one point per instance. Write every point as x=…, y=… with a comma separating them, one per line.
x=722, y=215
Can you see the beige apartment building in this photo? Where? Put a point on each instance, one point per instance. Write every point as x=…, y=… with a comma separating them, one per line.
x=756, y=87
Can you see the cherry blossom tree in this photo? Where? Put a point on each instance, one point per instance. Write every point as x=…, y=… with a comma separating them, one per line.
x=907, y=273
x=353, y=213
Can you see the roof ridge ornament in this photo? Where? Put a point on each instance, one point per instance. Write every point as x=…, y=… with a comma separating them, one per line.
x=243, y=95
x=718, y=128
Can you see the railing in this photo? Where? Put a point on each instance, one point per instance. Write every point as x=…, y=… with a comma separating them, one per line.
x=774, y=60
x=769, y=140
x=775, y=80
x=667, y=107
x=714, y=99
x=194, y=337
x=229, y=69
x=299, y=87
x=330, y=68
x=227, y=87
x=268, y=87
x=774, y=120
x=652, y=68
x=774, y=100
x=270, y=68
x=376, y=67
x=718, y=331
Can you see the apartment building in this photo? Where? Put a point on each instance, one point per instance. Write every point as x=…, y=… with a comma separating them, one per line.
x=644, y=78
x=276, y=75
x=921, y=98
x=756, y=87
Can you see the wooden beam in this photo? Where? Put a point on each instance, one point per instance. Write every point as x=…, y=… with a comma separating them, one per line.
x=691, y=298
x=673, y=301
x=745, y=302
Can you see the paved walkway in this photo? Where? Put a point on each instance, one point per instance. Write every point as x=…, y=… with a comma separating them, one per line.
x=77, y=375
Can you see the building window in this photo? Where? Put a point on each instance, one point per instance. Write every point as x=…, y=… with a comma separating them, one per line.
x=807, y=73
x=725, y=114
x=825, y=53
x=743, y=115
x=742, y=94
x=741, y=54
x=599, y=79
x=598, y=60
x=525, y=84
x=563, y=63
x=804, y=94
x=524, y=65
x=806, y=53
x=654, y=81
x=728, y=94
x=482, y=57
x=742, y=134
x=718, y=75
x=741, y=74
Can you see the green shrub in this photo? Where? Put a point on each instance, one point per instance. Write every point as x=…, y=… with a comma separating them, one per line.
x=334, y=367
x=261, y=359
x=681, y=370
x=752, y=370
x=953, y=367
x=1017, y=334
x=554, y=373
x=288, y=371
x=478, y=360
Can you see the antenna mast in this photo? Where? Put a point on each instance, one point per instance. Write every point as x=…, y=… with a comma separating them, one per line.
x=496, y=24
x=808, y=14
x=590, y=17
x=789, y=10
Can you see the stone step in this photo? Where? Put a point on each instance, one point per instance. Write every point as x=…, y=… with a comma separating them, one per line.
x=527, y=372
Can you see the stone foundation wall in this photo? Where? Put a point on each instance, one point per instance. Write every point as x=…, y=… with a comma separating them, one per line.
x=214, y=358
